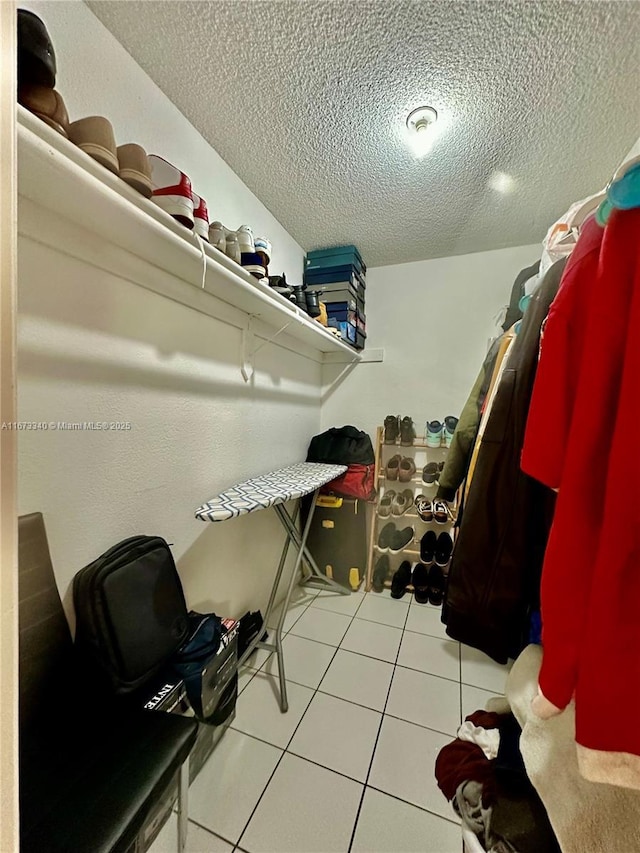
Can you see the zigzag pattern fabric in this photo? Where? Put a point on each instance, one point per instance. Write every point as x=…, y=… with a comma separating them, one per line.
x=277, y=487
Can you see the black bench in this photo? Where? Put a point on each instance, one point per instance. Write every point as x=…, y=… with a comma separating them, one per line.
x=92, y=771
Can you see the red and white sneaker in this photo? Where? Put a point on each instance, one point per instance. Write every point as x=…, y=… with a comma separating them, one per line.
x=200, y=217
x=171, y=190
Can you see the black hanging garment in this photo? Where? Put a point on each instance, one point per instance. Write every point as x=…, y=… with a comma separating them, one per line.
x=494, y=579
x=514, y=312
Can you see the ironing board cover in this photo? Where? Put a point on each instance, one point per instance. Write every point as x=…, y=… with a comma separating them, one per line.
x=277, y=487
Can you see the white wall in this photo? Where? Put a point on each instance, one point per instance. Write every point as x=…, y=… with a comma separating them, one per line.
x=96, y=347
x=433, y=319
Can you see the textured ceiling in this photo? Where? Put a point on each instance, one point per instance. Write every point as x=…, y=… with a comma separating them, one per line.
x=307, y=101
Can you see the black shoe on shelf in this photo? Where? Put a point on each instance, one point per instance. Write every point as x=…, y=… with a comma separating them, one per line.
x=430, y=473
x=436, y=586
x=401, y=580
x=428, y=547
x=391, y=429
x=443, y=550
x=386, y=536
x=401, y=539
x=420, y=581
x=380, y=573
x=407, y=432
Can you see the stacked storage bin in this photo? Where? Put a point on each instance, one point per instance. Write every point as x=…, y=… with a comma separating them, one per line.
x=338, y=274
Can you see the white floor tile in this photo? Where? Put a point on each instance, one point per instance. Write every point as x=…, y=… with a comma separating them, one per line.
x=387, y=825
x=305, y=809
x=474, y=699
x=368, y=638
x=294, y=612
x=198, y=840
x=245, y=674
x=430, y=654
x=403, y=765
x=337, y=734
x=359, y=679
x=345, y=604
x=385, y=611
x=225, y=792
x=480, y=671
x=322, y=626
x=385, y=595
x=258, y=710
x=425, y=619
x=305, y=661
x=425, y=699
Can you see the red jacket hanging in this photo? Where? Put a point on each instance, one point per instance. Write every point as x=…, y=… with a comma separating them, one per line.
x=591, y=575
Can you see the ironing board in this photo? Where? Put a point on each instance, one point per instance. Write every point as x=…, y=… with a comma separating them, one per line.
x=275, y=490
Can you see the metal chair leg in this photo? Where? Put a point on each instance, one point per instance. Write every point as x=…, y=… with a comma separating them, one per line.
x=183, y=805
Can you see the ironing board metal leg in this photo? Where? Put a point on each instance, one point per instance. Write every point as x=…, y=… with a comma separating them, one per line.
x=183, y=807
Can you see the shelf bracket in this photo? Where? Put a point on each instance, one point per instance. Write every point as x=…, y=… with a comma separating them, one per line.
x=247, y=367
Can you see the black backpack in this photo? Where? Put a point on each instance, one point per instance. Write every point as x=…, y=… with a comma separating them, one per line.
x=341, y=446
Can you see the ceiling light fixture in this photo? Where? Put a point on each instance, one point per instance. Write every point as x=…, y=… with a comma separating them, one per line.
x=419, y=127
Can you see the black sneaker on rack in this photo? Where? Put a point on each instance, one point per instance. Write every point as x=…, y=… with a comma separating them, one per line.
x=428, y=547
x=443, y=549
x=401, y=580
x=407, y=432
x=400, y=539
x=380, y=573
x=391, y=429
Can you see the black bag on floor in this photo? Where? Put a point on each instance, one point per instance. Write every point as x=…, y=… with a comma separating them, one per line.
x=131, y=615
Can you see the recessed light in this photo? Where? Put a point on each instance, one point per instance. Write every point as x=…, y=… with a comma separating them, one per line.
x=419, y=127
x=501, y=183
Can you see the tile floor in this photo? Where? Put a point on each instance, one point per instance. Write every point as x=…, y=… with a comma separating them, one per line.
x=376, y=688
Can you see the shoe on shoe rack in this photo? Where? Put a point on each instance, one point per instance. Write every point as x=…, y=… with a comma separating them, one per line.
x=401, y=580
x=380, y=573
x=393, y=467
x=252, y=263
x=450, y=424
x=441, y=512
x=200, y=217
x=430, y=473
x=386, y=501
x=406, y=470
x=401, y=539
x=391, y=429
x=424, y=508
x=385, y=537
x=443, y=549
x=428, y=547
x=245, y=239
x=94, y=135
x=36, y=56
x=171, y=190
x=436, y=585
x=218, y=236
x=407, y=432
x=402, y=502
x=262, y=247
x=434, y=434
x=420, y=582
x=134, y=168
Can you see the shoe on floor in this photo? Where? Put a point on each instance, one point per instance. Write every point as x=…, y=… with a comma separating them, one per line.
x=428, y=547
x=393, y=467
x=386, y=501
x=407, y=432
x=430, y=473
x=436, y=586
x=134, y=168
x=385, y=537
x=47, y=105
x=401, y=539
x=434, y=434
x=407, y=469
x=380, y=573
x=420, y=582
x=441, y=512
x=171, y=190
x=36, y=56
x=391, y=429
x=450, y=424
x=443, y=549
x=401, y=580
x=402, y=502
x=200, y=217
x=424, y=508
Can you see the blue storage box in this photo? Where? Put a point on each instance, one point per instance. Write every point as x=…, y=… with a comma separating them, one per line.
x=347, y=330
x=343, y=314
x=343, y=256
x=345, y=275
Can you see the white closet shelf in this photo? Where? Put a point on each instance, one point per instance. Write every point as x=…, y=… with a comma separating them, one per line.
x=56, y=175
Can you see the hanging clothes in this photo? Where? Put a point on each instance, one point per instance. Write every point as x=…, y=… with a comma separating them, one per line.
x=495, y=570
x=591, y=576
x=517, y=292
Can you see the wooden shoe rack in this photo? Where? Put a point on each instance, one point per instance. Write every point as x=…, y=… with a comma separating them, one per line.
x=421, y=454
